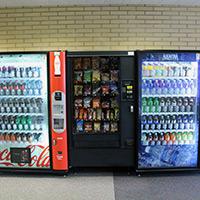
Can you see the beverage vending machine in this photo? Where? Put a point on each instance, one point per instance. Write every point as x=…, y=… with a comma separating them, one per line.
x=101, y=108
x=168, y=110
x=33, y=134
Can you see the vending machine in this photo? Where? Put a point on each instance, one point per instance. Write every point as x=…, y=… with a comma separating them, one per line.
x=168, y=110
x=101, y=108
x=33, y=134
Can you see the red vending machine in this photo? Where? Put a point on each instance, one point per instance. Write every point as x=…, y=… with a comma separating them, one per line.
x=33, y=135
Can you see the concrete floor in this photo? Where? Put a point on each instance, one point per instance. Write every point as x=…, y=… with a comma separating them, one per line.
x=100, y=186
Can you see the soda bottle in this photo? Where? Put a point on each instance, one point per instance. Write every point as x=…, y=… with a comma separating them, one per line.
x=156, y=123
x=170, y=71
x=184, y=136
x=18, y=122
x=185, y=121
x=15, y=125
x=30, y=138
x=168, y=104
x=191, y=87
x=144, y=87
x=149, y=138
x=167, y=137
x=152, y=70
x=22, y=72
x=162, y=86
x=179, y=121
x=173, y=137
x=150, y=122
x=150, y=86
x=18, y=137
x=180, y=103
x=156, y=87
x=191, y=105
x=39, y=103
x=190, y=136
x=144, y=70
x=155, y=138
x=191, y=123
x=162, y=122
x=162, y=104
x=168, y=87
x=168, y=122
x=150, y=104
x=144, y=105
x=13, y=137
x=156, y=104
x=143, y=122
x=185, y=104
x=161, y=138
x=185, y=86
x=23, y=137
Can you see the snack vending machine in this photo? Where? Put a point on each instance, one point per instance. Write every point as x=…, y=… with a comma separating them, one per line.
x=33, y=134
x=168, y=118
x=101, y=108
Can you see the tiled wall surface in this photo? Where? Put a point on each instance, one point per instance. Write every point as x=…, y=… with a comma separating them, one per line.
x=100, y=28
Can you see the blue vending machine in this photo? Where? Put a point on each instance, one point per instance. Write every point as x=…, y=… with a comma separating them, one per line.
x=168, y=110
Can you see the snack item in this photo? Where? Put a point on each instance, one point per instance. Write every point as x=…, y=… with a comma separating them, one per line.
x=87, y=90
x=87, y=102
x=85, y=114
x=105, y=89
x=97, y=126
x=105, y=127
x=116, y=110
x=76, y=113
x=86, y=63
x=87, y=76
x=105, y=62
x=98, y=116
x=96, y=102
x=81, y=113
x=105, y=77
x=113, y=89
x=79, y=125
x=95, y=62
x=114, y=127
x=96, y=89
x=78, y=90
x=105, y=104
x=114, y=62
x=114, y=103
x=96, y=76
x=88, y=126
x=78, y=102
x=90, y=113
x=114, y=75
x=78, y=77
x=77, y=63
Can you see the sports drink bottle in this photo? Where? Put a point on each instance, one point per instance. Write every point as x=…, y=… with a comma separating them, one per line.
x=162, y=122
x=150, y=104
x=144, y=105
x=150, y=122
x=156, y=105
x=156, y=122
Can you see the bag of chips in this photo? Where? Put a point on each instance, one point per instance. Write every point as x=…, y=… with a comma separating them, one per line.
x=96, y=76
x=97, y=126
x=95, y=62
x=79, y=125
x=77, y=63
x=78, y=77
x=78, y=90
x=114, y=75
x=87, y=76
x=86, y=63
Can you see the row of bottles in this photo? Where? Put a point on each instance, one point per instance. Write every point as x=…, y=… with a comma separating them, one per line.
x=21, y=87
x=153, y=69
x=21, y=105
x=20, y=137
x=168, y=86
x=164, y=122
x=19, y=72
x=167, y=138
x=82, y=126
x=169, y=104
x=21, y=122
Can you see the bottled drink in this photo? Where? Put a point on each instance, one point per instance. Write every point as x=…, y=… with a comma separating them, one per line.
x=191, y=105
x=168, y=104
x=162, y=105
x=185, y=104
x=162, y=86
x=173, y=137
x=180, y=103
x=174, y=104
x=168, y=87
x=162, y=122
x=186, y=122
x=144, y=87
x=190, y=136
x=144, y=105
x=156, y=87
x=149, y=138
x=180, y=122
x=156, y=105
x=156, y=123
x=168, y=122
x=191, y=121
x=167, y=137
x=150, y=122
x=150, y=104
x=30, y=138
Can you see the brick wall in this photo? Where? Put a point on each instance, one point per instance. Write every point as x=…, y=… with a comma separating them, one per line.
x=100, y=28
